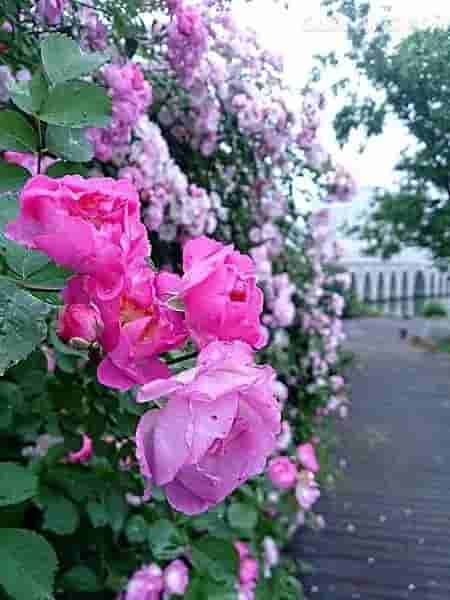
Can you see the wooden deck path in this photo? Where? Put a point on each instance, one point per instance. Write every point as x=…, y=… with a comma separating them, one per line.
x=388, y=522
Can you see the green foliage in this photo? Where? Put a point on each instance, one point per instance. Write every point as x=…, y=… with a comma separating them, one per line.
x=215, y=558
x=28, y=565
x=165, y=540
x=63, y=60
x=434, y=309
x=77, y=104
x=70, y=144
x=17, y=484
x=16, y=132
x=242, y=516
x=12, y=177
x=410, y=79
x=22, y=324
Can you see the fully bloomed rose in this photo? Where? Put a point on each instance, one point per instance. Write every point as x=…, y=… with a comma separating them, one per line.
x=217, y=429
x=91, y=226
x=222, y=300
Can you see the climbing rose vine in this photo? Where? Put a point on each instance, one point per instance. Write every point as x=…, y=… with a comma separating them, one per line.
x=170, y=318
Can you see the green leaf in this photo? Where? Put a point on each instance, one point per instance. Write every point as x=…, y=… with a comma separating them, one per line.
x=97, y=513
x=16, y=133
x=61, y=515
x=24, y=262
x=12, y=177
x=117, y=510
x=61, y=168
x=205, y=589
x=215, y=558
x=21, y=95
x=81, y=579
x=242, y=516
x=11, y=399
x=136, y=529
x=17, y=484
x=63, y=59
x=165, y=540
x=29, y=95
x=67, y=143
x=22, y=324
x=77, y=104
x=39, y=91
x=28, y=565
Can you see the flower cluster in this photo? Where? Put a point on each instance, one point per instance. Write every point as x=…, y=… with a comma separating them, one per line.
x=173, y=207
x=221, y=419
x=151, y=582
x=131, y=96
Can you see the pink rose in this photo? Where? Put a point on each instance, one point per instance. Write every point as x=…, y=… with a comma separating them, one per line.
x=79, y=321
x=84, y=453
x=138, y=325
x=28, y=161
x=306, y=454
x=307, y=491
x=176, y=578
x=147, y=583
x=248, y=570
x=216, y=430
x=242, y=549
x=220, y=294
x=91, y=226
x=51, y=10
x=282, y=472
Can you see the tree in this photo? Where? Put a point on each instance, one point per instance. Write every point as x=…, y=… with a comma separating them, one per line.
x=411, y=81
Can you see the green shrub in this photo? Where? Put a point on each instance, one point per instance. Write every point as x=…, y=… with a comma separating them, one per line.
x=434, y=309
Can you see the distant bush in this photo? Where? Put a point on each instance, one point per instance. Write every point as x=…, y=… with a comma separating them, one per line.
x=434, y=309
x=355, y=309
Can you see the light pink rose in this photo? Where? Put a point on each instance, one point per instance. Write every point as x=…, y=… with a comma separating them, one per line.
x=216, y=430
x=51, y=10
x=220, y=294
x=147, y=583
x=79, y=321
x=306, y=454
x=91, y=226
x=28, y=161
x=282, y=472
x=307, y=491
x=176, y=578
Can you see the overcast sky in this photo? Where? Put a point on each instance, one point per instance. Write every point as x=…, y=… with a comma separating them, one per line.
x=303, y=31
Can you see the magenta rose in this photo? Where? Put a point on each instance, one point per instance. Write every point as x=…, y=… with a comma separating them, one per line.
x=222, y=300
x=216, y=430
x=91, y=226
x=282, y=472
x=79, y=321
x=138, y=325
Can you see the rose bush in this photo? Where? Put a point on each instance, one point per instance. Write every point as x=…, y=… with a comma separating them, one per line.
x=170, y=321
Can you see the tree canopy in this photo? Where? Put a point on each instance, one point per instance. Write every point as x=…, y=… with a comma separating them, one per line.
x=410, y=79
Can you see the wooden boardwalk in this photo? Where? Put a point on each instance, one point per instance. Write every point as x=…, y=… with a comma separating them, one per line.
x=388, y=522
